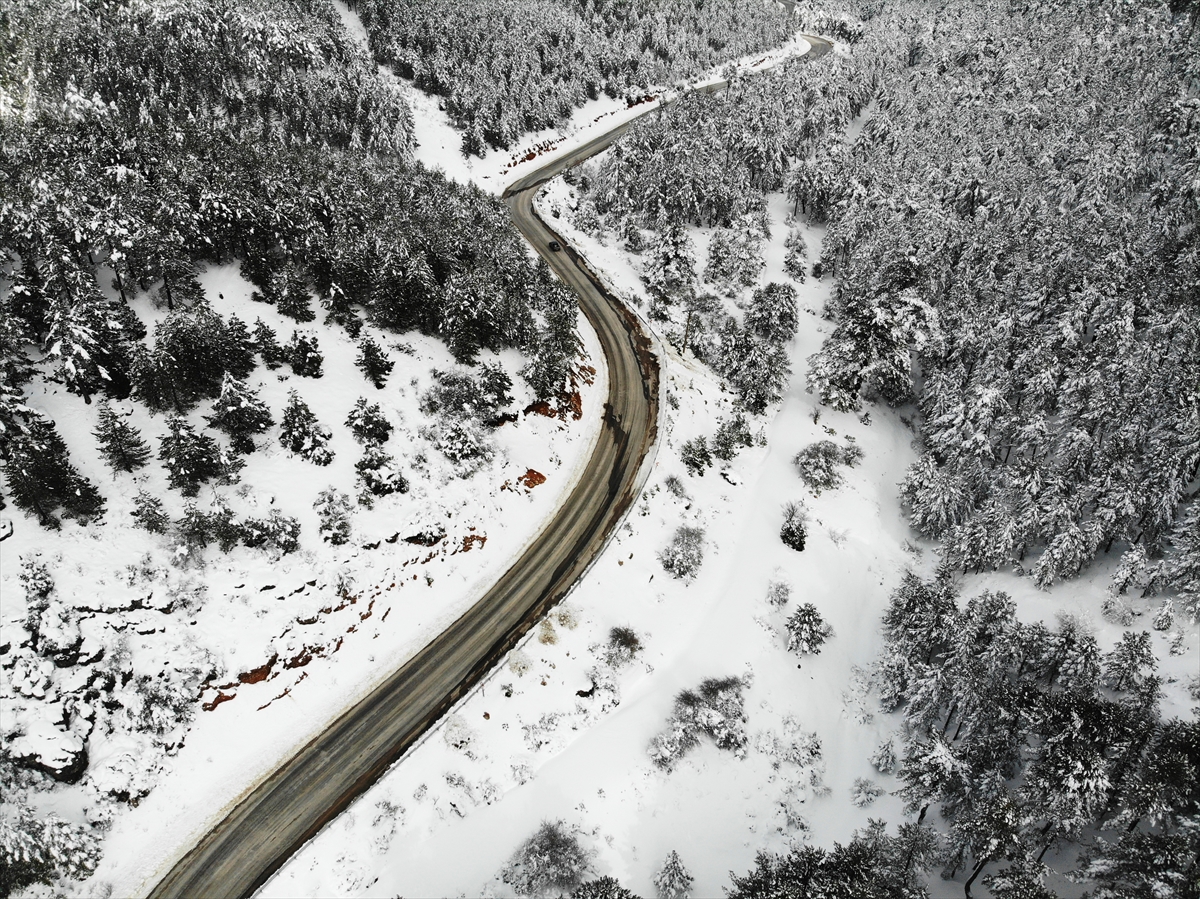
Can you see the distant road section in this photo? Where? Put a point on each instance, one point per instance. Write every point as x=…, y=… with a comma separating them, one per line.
x=277, y=817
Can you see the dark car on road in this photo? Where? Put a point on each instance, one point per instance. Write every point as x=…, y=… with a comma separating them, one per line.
x=555, y=246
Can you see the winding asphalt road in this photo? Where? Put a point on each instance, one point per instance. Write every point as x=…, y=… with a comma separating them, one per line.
x=277, y=817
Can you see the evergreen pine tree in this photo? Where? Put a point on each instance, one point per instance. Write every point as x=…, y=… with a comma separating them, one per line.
x=265, y=341
x=695, y=455
x=40, y=848
x=302, y=434
x=42, y=480
x=795, y=261
x=772, y=314
x=496, y=384
x=673, y=881
x=1130, y=663
x=237, y=348
x=293, y=298
x=191, y=459
x=120, y=443
x=333, y=512
x=807, y=630
x=240, y=413
x=373, y=362
x=304, y=355
x=378, y=475
x=602, y=888
x=368, y=424
x=149, y=514
x=670, y=268
x=1182, y=567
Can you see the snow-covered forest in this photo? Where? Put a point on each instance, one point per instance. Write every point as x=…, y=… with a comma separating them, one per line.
x=509, y=67
x=916, y=596
x=1012, y=234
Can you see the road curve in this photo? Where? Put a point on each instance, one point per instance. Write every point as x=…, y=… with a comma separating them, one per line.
x=284, y=811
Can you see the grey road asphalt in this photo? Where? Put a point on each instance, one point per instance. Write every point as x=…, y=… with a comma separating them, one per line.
x=276, y=818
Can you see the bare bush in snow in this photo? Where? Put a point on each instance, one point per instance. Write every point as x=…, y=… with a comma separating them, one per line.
x=778, y=593
x=794, y=531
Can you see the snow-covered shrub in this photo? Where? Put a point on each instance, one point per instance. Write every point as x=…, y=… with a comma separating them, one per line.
x=457, y=396
x=148, y=513
x=732, y=435
x=38, y=585
x=458, y=734
x=790, y=805
x=539, y=732
x=41, y=848
x=682, y=558
x=622, y=647
x=368, y=424
x=276, y=531
x=794, y=531
x=673, y=880
x=378, y=476
x=160, y=706
x=462, y=442
x=779, y=593
x=695, y=455
x=58, y=635
x=807, y=630
x=884, y=757
x=546, y=633
x=302, y=434
x=566, y=616
x=550, y=862
x=864, y=792
x=602, y=888
x=519, y=663
x=333, y=511
x=716, y=709
x=818, y=464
